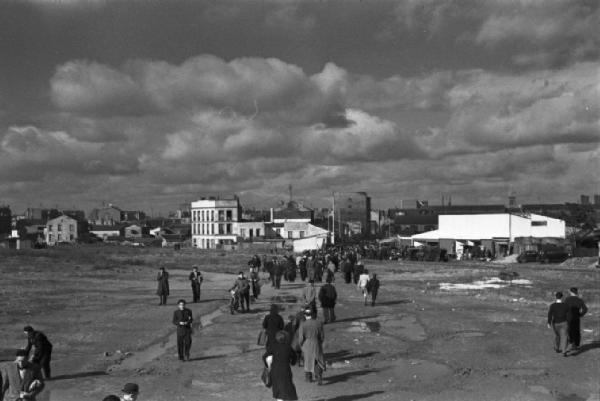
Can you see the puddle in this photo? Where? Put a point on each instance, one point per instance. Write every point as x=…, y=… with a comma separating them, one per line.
x=373, y=327
x=570, y=397
x=492, y=283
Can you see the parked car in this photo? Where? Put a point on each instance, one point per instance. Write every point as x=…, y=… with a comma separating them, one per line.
x=553, y=255
x=528, y=256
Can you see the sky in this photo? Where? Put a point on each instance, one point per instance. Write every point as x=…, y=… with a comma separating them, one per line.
x=148, y=104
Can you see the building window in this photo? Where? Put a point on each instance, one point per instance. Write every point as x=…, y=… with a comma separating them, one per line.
x=301, y=234
x=539, y=223
x=290, y=234
x=221, y=215
x=71, y=237
x=71, y=227
x=251, y=233
x=60, y=227
x=212, y=215
x=59, y=237
x=243, y=232
x=229, y=215
x=258, y=232
x=228, y=228
x=194, y=242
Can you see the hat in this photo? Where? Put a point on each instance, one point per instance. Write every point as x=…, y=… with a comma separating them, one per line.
x=28, y=329
x=131, y=388
x=181, y=301
x=21, y=352
x=574, y=290
x=111, y=397
x=559, y=295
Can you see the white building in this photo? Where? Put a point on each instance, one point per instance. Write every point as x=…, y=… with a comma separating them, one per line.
x=214, y=222
x=490, y=230
x=61, y=229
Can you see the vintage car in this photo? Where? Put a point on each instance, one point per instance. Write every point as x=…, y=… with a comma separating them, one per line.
x=528, y=256
x=553, y=255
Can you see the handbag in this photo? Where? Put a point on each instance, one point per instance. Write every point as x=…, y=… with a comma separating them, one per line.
x=266, y=377
x=262, y=338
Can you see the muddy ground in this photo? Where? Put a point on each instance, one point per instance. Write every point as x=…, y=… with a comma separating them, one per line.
x=420, y=342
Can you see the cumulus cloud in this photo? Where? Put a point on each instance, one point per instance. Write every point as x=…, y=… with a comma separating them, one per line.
x=30, y=154
x=256, y=125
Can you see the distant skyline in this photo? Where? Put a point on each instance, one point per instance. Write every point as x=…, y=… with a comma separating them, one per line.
x=146, y=103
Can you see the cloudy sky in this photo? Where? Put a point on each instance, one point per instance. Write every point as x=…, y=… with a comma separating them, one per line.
x=148, y=103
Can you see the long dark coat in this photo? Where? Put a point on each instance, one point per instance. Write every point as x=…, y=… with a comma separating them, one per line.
x=163, y=284
x=272, y=323
x=281, y=373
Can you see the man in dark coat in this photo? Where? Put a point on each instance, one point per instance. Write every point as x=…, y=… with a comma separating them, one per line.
x=373, y=288
x=347, y=268
x=278, y=269
x=182, y=318
x=302, y=267
x=196, y=280
x=578, y=310
x=163, y=285
x=20, y=380
x=558, y=316
x=42, y=350
x=328, y=297
x=311, y=336
x=272, y=323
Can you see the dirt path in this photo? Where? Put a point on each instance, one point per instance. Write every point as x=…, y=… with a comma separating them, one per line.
x=420, y=342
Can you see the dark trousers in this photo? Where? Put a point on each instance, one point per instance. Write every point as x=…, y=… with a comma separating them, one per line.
x=44, y=362
x=373, y=297
x=303, y=274
x=255, y=289
x=348, y=277
x=163, y=299
x=278, y=281
x=196, y=291
x=328, y=315
x=245, y=299
x=575, y=332
x=560, y=336
x=184, y=342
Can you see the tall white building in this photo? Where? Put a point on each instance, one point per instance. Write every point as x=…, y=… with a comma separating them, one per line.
x=214, y=222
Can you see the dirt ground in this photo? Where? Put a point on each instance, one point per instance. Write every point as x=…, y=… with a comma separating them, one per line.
x=426, y=339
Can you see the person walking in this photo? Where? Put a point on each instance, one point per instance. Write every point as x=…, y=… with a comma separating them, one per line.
x=130, y=392
x=21, y=379
x=311, y=337
x=242, y=288
x=163, y=285
x=196, y=280
x=302, y=266
x=328, y=297
x=182, y=318
x=309, y=296
x=558, y=316
x=42, y=350
x=578, y=309
x=272, y=323
x=373, y=288
x=363, y=281
x=279, y=359
x=278, y=269
x=254, y=282
x=347, y=269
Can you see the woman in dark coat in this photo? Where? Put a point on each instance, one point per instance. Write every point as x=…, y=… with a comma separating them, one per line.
x=163, y=286
x=280, y=370
x=272, y=323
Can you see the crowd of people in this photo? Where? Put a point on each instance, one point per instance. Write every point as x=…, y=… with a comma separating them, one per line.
x=299, y=341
